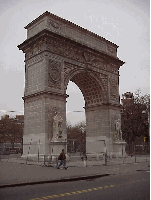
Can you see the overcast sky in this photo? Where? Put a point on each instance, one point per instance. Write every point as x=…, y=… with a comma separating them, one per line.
x=123, y=22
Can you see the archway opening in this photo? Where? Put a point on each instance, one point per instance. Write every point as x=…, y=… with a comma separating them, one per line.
x=75, y=111
x=84, y=87
x=76, y=121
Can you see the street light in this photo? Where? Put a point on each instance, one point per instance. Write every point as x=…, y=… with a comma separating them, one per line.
x=148, y=117
x=146, y=139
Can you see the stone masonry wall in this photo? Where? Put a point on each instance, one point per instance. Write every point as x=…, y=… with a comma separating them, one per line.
x=97, y=121
x=34, y=125
x=35, y=78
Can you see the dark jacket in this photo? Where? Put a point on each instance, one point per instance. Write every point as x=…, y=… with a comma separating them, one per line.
x=62, y=156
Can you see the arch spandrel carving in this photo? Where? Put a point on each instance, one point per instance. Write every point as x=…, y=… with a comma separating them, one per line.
x=114, y=93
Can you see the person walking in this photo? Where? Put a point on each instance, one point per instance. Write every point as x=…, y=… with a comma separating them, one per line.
x=62, y=158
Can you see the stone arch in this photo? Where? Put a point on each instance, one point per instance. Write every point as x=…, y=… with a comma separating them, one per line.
x=57, y=51
x=89, y=85
x=100, y=79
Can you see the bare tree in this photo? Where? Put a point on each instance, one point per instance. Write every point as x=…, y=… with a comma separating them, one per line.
x=76, y=135
x=135, y=116
x=10, y=130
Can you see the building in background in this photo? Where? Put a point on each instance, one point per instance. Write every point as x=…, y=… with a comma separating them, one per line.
x=11, y=134
x=127, y=99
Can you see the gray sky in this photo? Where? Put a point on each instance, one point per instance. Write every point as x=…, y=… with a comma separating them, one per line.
x=123, y=22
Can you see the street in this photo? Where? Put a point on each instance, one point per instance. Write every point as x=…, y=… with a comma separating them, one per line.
x=127, y=186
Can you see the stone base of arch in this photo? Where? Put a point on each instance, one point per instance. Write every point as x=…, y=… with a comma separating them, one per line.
x=101, y=145
x=99, y=131
x=44, y=147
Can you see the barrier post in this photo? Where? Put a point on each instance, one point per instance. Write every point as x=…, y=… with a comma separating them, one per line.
x=26, y=159
x=38, y=155
x=106, y=157
x=44, y=160
x=56, y=161
x=122, y=150
x=135, y=151
x=85, y=160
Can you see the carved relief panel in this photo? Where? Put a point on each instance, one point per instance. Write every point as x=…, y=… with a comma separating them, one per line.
x=35, y=49
x=104, y=82
x=68, y=69
x=114, y=93
x=54, y=74
x=54, y=25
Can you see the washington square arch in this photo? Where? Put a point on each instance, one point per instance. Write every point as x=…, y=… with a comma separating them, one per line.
x=56, y=52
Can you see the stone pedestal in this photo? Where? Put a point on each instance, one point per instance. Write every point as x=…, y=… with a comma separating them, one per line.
x=56, y=148
x=119, y=148
x=101, y=144
x=96, y=145
x=33, y=151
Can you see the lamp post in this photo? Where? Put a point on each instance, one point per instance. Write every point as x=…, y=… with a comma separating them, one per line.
x=146, y=139
x=148, y=117
x=82, y=139
x=38, y=150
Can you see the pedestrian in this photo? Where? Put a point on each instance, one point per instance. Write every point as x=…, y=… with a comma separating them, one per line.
x=62, y=158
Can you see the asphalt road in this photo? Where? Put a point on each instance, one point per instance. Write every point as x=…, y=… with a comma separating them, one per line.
x=135, y=186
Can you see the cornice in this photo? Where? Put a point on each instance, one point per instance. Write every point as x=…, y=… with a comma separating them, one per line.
x=44, y=93
x=46, y=33
x=71, y=25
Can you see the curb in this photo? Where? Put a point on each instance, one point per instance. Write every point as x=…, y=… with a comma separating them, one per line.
x=55, y=181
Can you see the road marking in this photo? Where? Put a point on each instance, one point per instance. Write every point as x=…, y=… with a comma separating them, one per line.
x=94, y=188
x=61, y=195
x=73, y=193
x=79, y=192
x=111, y=185
x=68, y=194
x=53, y=196
x=99, y=188
x=84, y=191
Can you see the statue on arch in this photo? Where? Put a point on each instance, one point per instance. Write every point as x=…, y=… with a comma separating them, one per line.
x=118, y=129
x=57, y=126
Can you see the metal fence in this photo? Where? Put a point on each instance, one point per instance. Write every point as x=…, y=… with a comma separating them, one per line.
x=76, y=160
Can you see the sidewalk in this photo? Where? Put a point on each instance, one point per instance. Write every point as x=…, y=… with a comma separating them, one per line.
x=16, y=174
